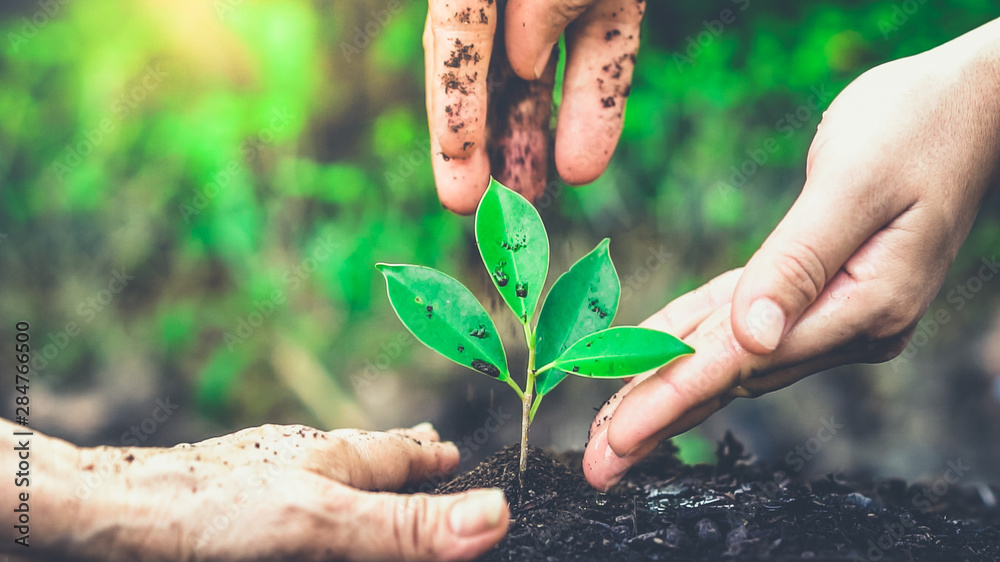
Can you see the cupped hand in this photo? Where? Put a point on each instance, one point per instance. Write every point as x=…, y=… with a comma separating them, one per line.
x=894, y=178
x=602, y=37
x=282, y=492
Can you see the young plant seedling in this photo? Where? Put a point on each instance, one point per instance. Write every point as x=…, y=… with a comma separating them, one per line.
x=573, y=334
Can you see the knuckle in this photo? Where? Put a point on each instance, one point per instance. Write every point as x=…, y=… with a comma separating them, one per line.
x=891, y=319
x=410, y=527
x=804, y=272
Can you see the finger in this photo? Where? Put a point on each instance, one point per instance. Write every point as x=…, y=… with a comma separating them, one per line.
x=419, y=527
x=601, y=46
x=458, y=41
x=420, y=432
x=834, y=331
x=685, y=313
x=382, y=461
x=460, y=182
x=799, y=258
x=533, y=27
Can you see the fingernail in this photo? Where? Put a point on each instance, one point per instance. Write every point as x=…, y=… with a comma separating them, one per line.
x=422, y=427
x=543, y=60
x=477, y=513
x=765, y=322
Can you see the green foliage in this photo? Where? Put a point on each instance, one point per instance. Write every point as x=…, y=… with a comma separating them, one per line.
x=622, y=351
x=582, y=301
x=277, y=141
x=514, y=247
x=446, y=317
x=571, y=334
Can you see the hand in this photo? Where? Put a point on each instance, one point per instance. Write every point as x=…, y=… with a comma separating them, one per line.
x=602, y=37
x=894, y=179
x=274, y=492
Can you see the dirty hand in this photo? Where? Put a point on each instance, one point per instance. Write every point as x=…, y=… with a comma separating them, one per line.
x=602, y=37
x=894, y=178
x=270, y=492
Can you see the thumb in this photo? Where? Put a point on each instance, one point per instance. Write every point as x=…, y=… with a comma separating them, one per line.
x=424, y=527
x=825, y=226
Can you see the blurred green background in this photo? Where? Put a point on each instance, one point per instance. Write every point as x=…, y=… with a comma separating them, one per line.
x=193, y=195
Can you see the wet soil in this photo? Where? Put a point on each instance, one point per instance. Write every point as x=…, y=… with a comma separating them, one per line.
x=735, y=509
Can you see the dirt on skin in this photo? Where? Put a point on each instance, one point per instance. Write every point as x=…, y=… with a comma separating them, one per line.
x=518, y=121
x=733, y=510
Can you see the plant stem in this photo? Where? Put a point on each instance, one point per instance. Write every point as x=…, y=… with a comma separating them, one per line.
x=534, y=408
x=517, y=389
x=526, y=399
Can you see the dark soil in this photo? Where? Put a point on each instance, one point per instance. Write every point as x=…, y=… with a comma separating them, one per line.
x=733, y=510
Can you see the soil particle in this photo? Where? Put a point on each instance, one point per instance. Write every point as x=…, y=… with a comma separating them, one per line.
x=735, y=509
x=462, y=53
x=450, y=81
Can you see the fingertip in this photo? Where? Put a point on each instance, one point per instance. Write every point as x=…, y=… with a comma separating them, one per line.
x=461, y=182
x=602, y=467
x=580, y=159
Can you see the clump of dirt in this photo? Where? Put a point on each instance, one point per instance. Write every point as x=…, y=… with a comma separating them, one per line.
x=735, y=509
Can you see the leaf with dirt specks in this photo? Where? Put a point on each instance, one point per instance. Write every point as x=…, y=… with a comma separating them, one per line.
x=446, y=317
x=582, y=301
x=514, y=247
x=622, y=351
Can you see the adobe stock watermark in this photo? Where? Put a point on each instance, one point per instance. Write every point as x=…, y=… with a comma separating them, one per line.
x=110, y=464
x=958, y=297
x=711, y=31
x=901, y=13
x=389, y=352
x=784, y=129
x=249, y=151
x=135, y=92
x=291, y=279
x=923, y=501
x=795, y=460
x=406, y=165
x=31, y=25
x=88, y=310
x=641, y=275
x=364, y=34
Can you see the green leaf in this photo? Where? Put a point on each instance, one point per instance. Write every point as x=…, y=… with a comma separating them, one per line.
x=514, y=247
x=621, y=352
x=582, y=301
x=445, y=317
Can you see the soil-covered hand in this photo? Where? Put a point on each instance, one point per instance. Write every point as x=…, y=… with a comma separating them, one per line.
x=602, y=37
x=266, y=493
x=894, y=178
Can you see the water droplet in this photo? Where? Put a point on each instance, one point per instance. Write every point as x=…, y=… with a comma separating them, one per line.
x=521, y=290
x=602, y=498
